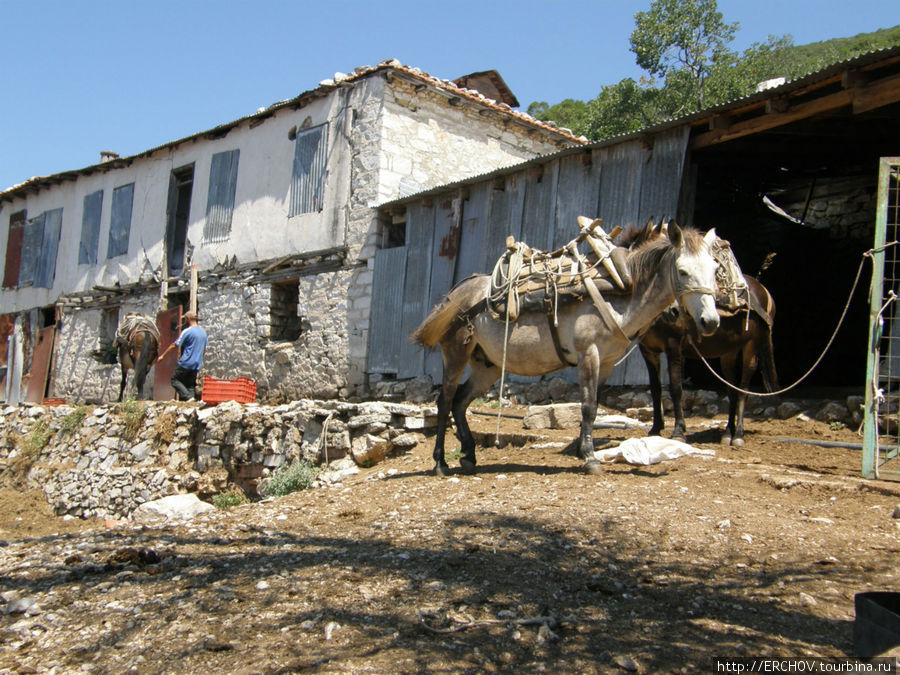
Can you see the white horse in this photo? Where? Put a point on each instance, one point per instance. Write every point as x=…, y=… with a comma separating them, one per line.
x=679, y=267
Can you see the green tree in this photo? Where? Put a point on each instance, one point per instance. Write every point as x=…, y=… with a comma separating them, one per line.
x=680, y=40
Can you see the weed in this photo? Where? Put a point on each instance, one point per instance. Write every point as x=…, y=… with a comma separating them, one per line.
x=133, y=413
x=165, y=426
x=226, y=500
x=454, y=454
x=289, y=478
x=835, y=426
x=29, y=448
x=73, y=420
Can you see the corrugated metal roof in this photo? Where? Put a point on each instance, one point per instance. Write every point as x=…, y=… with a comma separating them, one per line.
x=325, y=87
x=750, y=101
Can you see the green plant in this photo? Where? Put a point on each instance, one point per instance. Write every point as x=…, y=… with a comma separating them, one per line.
x=133, y=413
x=835, y=426
x=73, y=420
x=289, y=478
x=37, y=438
x=225, y=500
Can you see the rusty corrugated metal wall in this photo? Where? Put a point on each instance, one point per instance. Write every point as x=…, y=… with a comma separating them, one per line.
x=462, y=231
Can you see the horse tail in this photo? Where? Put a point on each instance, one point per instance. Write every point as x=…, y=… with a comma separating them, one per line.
x=461, y=300
x=436, y=325
x=767, y=361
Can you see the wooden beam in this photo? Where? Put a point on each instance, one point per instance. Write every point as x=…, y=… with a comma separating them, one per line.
x=862, y=99
x=876, y=94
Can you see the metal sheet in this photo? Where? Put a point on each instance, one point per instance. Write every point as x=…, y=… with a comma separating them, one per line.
x=507, y=202
x=620, y=184
x=14, y=249
x=90, y=228
x=445, y=247
x=308, y=174
x=169, y=324
x=120, y=221
x=662, y=174
x=577, y=194
x=40, y=365
x=539, y=217
x=385, y=335
x=45, y=268
x=416, y=288
x=472, y=234
x=223, y=172
x=31, y=246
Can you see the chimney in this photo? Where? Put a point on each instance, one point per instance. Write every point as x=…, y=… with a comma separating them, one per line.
x=108, y=156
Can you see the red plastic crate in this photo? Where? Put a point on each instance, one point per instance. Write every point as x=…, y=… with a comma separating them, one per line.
x=241, y=389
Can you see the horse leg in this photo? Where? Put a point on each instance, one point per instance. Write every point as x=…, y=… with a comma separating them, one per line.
x=675, y=358
x=455, y=354
x=484, y=374
x=749, y=365
x=588, y=379
x=142, y=366
x=735, y=402
x=122, y=383
x=651, y=359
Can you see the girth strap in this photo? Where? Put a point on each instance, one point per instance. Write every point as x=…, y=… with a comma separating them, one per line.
x=557, y=345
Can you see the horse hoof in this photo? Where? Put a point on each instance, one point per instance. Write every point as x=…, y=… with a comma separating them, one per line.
x=441, y=470
x=737, y=442
x=467, y=467
x=593, y=467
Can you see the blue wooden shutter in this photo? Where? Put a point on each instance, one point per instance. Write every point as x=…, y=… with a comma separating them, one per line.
x=31, y=247
x=308, y=176
x=90, y=228
x=120, y=220
x=45, y=269
x=220, y=200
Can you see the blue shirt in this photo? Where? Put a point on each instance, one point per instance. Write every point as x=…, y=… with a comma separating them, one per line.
x=192, y=342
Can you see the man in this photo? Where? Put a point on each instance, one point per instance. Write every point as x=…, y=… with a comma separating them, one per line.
x=191, y=344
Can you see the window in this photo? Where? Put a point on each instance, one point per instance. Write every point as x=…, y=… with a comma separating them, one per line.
x=283, y=316
x=120, y=220
x=220, y=201
x=45, y=270
x=308, y=175
x=40, y=241
x=14, y=249
x=90, y=228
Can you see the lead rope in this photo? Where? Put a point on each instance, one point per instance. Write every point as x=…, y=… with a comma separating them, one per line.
x=867, y=254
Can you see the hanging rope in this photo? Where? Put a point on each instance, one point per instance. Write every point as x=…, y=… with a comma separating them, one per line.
x=867, y=254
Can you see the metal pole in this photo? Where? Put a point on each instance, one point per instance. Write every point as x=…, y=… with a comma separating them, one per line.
x=876, y=290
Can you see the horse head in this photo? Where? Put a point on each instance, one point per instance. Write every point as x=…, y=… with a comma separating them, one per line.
x=694, y=276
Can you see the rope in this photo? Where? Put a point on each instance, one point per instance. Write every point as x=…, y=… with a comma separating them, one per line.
x=502, y=378
x=818, y=360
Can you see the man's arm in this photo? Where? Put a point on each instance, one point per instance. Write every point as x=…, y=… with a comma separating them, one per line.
x=165, y=352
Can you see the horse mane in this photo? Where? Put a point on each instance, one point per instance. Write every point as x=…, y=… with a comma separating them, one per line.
x=650, y=252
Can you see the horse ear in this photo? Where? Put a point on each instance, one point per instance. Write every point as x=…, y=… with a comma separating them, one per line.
x=675, y=234
x=710, y=237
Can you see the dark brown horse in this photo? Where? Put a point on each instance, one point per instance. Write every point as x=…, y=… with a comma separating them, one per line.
x=137, y=340
x=742, y=343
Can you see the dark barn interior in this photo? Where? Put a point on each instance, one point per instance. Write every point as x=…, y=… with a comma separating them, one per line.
x=822, y=171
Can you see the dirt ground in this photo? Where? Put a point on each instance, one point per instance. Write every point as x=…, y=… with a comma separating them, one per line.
x=532, y=565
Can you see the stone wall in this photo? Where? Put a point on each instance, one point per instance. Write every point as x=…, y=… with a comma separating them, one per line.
x=106, y=461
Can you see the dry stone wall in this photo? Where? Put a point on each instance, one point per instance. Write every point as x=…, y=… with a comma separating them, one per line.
x=105, y=461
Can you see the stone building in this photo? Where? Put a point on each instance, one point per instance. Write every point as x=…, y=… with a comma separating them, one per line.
x=268, y=223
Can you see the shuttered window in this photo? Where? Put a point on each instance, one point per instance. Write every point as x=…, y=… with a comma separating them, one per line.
x=31, y=246
x=90, y=228
x=220, y=200
x=45, y=269
x=308, y=175
x=14, y=249
x=120, y=220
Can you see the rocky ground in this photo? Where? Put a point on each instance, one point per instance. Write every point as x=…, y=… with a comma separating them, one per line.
x=529, y=566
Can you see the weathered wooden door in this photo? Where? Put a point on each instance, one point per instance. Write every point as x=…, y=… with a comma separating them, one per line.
x=169, y=325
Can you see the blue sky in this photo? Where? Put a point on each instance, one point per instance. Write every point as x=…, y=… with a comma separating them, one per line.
x=81, y=76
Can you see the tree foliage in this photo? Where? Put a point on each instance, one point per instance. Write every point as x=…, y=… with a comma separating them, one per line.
x=683, y=47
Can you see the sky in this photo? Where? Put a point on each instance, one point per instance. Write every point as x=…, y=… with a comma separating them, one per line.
x=82, y=76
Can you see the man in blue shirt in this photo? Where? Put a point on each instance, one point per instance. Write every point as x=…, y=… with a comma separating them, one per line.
x=191, y=344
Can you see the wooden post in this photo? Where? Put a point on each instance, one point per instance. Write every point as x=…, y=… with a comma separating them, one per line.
x=193, y=296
